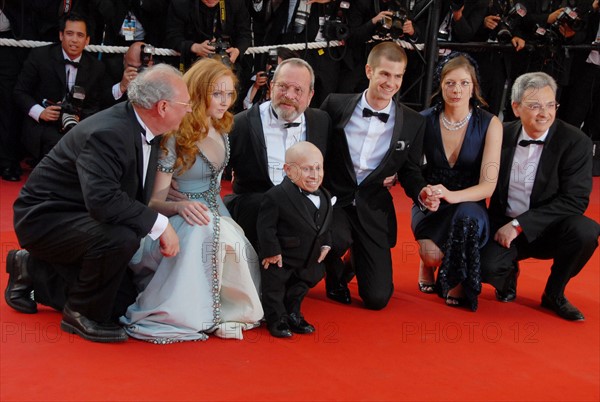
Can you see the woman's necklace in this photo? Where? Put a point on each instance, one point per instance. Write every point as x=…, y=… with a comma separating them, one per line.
x=450, y=126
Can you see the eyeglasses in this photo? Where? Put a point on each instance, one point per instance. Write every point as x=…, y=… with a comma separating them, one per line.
x=537, y=107
x=283, y=89
x=186, y=104
x=453, y=84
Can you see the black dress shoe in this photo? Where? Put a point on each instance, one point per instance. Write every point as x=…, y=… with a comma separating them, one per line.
x=509, y=293
x=561, y=306
x=298, y=324
x=340, y=295
x=19, y=287
x=11, y=174
x=281, y=328
x=75, y=323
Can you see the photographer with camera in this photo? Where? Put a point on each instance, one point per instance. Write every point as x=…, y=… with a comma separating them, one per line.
x=261, y=81
x=138, y=57
x=208, y=28
x=59, y=78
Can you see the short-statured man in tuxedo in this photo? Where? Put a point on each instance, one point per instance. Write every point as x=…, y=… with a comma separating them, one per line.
x=263, y=133
x=543, y=190
x=293, y=236
x=83, y=210
x=373, y=138
x=48, y=75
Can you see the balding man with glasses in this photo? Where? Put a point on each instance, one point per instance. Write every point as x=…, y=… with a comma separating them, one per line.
x=543, y=190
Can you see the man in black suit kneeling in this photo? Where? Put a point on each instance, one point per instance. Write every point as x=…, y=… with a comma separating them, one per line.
x=83, y=210
x=293, y=236
x=543, y=190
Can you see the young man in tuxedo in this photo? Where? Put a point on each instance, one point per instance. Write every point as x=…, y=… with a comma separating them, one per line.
x=293, y=236
x=543, y=190
x=83, y=210
x=373, y=138
x=48, y=75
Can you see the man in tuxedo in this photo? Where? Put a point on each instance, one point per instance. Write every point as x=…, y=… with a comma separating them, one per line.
x=373, y=138
x=48, y=75
x=293, y=233
x=263, y=133
x=543, y=190
x=82, y=213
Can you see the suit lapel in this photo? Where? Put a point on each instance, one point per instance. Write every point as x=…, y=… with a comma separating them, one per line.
x=59, y=66
x=257, y=137
x=294, y=195
x=545, y=165
x=345, y=118
x=151, y=172
x=398, y=123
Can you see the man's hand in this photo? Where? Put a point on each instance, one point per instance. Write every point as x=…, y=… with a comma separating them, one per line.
x=233, y=53
x=506, y=234
x=51, y=113
x=193, y=212
x=276, y=259
x=491, y=22
x=169, y=242
x=202, y=49
x=408, y=28
x=518, y=43
x=390, y=181
x=379, y=17
x=324, y=251
x=429, y=199
x=552, y=17
x=175, y=194
x=128, y=75
x=261, y=79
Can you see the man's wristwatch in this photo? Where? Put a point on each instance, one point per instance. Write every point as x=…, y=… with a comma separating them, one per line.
x=515, y=224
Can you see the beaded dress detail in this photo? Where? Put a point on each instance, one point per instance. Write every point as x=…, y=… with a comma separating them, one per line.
x=459, y=230
x=212, y=285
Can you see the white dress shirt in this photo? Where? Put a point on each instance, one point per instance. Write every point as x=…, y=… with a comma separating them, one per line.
x=278, y=139
x=522, y=175
x=161, y=221
x=368, y=138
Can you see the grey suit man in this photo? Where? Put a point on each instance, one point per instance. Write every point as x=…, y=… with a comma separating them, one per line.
x=543, y=190
x=83, y=211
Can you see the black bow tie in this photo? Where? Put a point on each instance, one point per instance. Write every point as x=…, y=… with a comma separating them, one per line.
x=526, y=143
x=154, y=140
x=316, y=192
x=288, y=125
x=73, y=63
x=381, y=116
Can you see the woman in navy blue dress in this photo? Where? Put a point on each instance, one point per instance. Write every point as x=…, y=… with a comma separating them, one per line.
x=461, y=160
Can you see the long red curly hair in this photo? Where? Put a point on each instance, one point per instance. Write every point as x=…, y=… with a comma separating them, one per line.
x=200, y=80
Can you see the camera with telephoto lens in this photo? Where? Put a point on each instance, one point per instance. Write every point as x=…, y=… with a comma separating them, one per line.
x=271, y=65
x=393, y=25
x=146, y=55
x=70, y=108
x=570, y=17
x=221, y=45
x=335, y=27
x=504, y=32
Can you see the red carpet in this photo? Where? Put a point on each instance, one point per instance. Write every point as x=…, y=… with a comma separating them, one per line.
x=415, y=349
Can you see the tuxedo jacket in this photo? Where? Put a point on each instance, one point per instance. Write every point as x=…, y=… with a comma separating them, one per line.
x=189, y=22
x=286, y=226
x=43, y=77
x=374, y=204
x=248, y=158
x=562, y=183
x=96, y=168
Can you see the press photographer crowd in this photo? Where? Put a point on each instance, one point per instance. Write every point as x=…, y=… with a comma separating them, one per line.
x=356, y=118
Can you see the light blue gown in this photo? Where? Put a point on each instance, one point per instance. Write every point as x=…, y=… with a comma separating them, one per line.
x=212, y=285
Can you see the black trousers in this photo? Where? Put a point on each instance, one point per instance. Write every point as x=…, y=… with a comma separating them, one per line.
x=372, y=262
x=82, y=262
x=570, y=242
x=283, y=289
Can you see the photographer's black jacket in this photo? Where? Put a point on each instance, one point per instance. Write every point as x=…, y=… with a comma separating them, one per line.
x=190, y=21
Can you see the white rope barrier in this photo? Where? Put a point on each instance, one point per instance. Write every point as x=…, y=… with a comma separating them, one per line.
x=170, y=52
